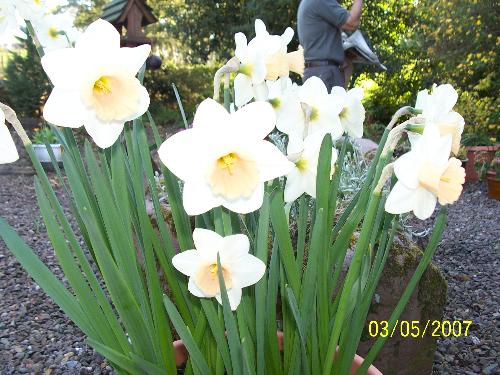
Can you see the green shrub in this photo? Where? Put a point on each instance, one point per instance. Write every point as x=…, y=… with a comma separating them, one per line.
x=26, y=86
x=194, y=83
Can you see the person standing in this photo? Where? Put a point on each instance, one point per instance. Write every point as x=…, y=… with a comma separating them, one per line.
x=320, y=24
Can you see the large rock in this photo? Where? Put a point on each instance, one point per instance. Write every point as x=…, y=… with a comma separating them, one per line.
x=407, y=355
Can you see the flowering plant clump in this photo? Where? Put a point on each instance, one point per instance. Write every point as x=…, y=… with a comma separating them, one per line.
x=218, y=266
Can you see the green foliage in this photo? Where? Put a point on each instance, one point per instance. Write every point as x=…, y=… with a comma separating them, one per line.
x=26, y=86
x=194, y=82
x=44, y=134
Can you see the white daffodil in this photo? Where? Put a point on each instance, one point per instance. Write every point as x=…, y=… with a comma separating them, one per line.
x=437, y=110
x=426, y=175
x=26, y=9
x=95, y=84
x=264, y=57
x=8, y=151
x=321, y=111
x=55, y=31
x=224, y=159
x=352, y=115
x=290, y=117
x=302, y=179
x=239, y=268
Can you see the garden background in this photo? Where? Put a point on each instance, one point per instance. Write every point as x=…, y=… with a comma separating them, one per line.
x=420, y=41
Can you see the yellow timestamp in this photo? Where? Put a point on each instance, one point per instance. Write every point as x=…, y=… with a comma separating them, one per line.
x=417, y=328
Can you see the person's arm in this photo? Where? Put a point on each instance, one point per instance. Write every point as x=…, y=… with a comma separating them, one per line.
x=352, y=22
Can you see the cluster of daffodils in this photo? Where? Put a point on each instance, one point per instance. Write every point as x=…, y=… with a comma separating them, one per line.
x=55, y=31
x=426, y=174
x=10, y=10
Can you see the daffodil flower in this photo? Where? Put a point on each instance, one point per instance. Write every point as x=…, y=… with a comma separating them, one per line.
x=302, y=179
x=8, y=151
x=223, y=159
x=239, y=268
x=54, y=30
x=352, y=115
x=290, y=117
x=426, y=175
x=264, y=57
x=27, y=10
x=322, y=111
x=437, y=110
x=95, y=84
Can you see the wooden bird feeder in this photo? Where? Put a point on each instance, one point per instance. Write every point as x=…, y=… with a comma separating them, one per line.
x=129, y=17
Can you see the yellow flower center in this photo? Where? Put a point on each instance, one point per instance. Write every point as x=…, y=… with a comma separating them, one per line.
x=38, y=2
x=301, y=164
x=314, y=114
x=114, y=96
x=275, y=102
x=246, y=69
x=234, y=176
x=343, y=114
x=102, y=86
x=447, y=184
x=53, y=33
x=207, y=279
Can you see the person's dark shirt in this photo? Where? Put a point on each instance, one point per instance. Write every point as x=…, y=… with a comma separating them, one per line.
x=319, y=25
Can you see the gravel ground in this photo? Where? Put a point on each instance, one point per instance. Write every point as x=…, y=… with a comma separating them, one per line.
x=36, y=337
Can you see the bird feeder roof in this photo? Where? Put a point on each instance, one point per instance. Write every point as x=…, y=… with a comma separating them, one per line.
x=117, y=11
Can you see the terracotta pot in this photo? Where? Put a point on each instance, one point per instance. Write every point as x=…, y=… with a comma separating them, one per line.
x=181, y=356
x=470, y=168
x=493, y=185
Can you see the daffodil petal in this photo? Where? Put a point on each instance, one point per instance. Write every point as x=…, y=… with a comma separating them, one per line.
x=271, y=162
x=247, y=205
x=8, y=151
x=248, y=271
x=210, y=114
x=233, y=247
x=312, y=88
x=240, y=52
x=424, y=203
x=422, y=99
x=104, y=134
x=234, y=296
x=100, y=35
x=256, y=119
x=133, y=58
x=406, y=168
x=62, y=67
x=187, y=262
x=400, y=199
x=294, y=186
x=197, y=198
x=207, y=242
x=64, y=108
x=243, y=90
x=143, y=106
x=194, y=290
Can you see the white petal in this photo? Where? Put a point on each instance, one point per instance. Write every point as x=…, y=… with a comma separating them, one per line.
x=187, y=262
x=198, y=198
x=210, y=114
x=256, y=119
x=241, y=46
x=207, y=241
x=295, y=144
x=424, y=203
x=194, y=290
x=287, y=36
x=133, y=58
x=143, y=104
x=294, y=187
x=63, y=67
x=259, y=71
x=406, y=169
x=179, y=154
x=65, y=108
x=313, y=88
x=8, y=151
x=260, y=28
x=400, y=199
x=99, y=35
x=270, y=161
x=234, y=296
x=248, y=270
x=422, y=100
x=247, y=205
x=243, y=90
x=261, y=91
x=291, y=118
x=444, y=97
x=356, y=93
x=233, y=248
x=104, y=134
